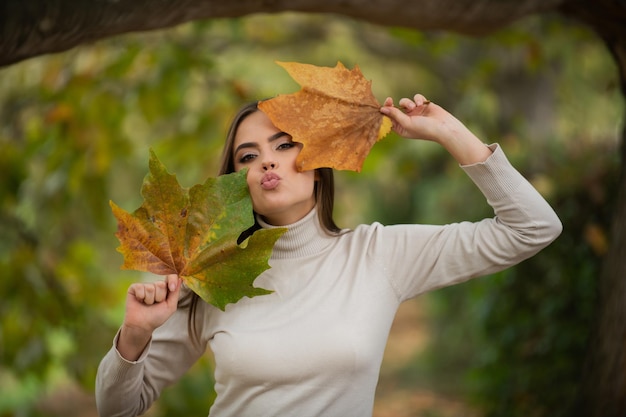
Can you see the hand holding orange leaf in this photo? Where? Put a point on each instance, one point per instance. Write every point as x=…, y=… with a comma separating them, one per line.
x=335, y=116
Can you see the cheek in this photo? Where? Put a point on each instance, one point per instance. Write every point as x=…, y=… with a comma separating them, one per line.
x=309, y=178
x=237, y=166
x=249, y=181
x=252, y=190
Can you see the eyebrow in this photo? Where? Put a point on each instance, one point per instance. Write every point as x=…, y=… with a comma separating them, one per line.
x=272, y=138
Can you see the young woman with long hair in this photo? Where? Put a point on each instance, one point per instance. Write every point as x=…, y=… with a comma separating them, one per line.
x=314, y=346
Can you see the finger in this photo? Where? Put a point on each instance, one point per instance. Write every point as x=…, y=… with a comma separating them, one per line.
x=150, y=290
x=137, y=291
x=395, y=114
x=420, y=100
x=172, y=281
x=388, y=102
x=407, y=104
x=172, y=297
x=160, y=293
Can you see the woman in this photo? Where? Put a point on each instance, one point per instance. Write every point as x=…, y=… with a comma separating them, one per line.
x=314, y=346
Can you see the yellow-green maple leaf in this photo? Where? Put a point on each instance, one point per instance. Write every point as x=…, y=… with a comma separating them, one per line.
x=194, y=233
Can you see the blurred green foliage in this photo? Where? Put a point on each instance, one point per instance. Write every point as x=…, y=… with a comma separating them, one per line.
x=75, y=131
x=522, y=334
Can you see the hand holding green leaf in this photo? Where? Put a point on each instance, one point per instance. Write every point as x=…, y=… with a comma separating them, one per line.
x=193, y=233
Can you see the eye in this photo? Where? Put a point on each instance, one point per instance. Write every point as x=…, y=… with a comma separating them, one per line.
x=247, y=157
x=286, y=145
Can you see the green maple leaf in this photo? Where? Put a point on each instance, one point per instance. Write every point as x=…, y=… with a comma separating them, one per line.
x=193, y=233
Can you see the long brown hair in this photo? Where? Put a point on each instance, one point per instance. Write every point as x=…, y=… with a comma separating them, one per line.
x=324, y=191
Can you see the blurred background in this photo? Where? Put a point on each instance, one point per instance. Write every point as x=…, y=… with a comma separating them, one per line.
x=76, y=128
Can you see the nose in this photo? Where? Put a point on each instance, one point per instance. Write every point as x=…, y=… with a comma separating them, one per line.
x=269, y=165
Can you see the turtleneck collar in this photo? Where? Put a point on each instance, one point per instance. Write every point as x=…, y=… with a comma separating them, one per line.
x=303, y=238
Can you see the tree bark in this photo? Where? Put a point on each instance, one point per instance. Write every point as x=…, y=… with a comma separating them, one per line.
x=30, y=28
x=603, y=388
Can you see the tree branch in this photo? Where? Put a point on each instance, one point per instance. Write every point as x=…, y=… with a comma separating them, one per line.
x=36, y=27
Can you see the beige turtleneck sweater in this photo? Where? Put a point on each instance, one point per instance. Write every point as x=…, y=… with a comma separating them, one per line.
x=314, y=346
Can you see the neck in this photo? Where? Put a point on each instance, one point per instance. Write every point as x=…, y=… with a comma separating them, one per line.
x=303, y=238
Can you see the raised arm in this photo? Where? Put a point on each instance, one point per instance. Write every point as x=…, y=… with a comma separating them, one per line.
x=523, y=224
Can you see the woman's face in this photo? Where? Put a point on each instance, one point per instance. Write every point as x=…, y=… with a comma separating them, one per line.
x=280, y=193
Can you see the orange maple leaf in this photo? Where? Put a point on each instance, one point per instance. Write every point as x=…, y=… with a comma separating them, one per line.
x=335, y=116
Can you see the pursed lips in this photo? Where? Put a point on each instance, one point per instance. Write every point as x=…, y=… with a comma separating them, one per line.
x=270, y=181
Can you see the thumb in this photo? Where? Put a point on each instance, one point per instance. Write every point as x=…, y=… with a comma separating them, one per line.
x=174, y=282
x=391, y=111
x=396, y=115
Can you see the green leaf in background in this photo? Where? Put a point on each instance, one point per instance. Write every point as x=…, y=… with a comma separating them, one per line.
x=194, y=232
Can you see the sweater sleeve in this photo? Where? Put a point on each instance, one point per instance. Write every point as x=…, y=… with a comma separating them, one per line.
x=420, y=258
x=128, y=388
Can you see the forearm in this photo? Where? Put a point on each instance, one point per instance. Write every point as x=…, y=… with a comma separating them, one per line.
x=529, y=221
x=461, y=143
x=120, y=385
x=523, y=224
x=131, y=342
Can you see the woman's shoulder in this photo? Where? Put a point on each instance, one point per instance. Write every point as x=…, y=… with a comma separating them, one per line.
x=375, y=230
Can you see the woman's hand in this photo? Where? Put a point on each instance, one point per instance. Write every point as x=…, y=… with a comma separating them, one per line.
x=414, y=119
x=421, y=119
x=148, y=306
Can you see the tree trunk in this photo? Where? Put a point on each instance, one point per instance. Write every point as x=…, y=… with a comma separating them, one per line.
x=603, y=388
